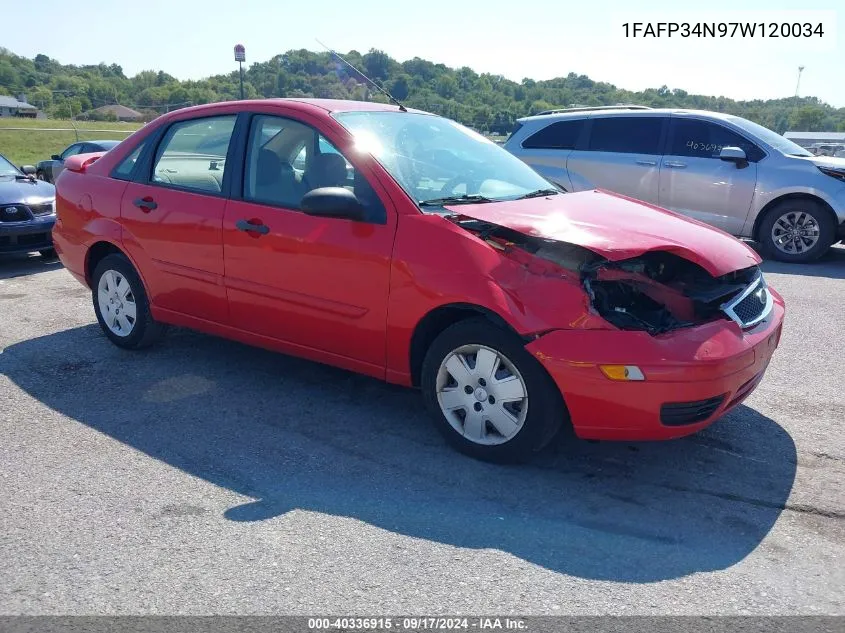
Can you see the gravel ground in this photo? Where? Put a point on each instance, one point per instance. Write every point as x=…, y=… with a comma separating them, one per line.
x=204, y=476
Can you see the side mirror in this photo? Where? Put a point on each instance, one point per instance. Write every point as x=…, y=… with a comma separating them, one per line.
x=332, y=202
x=55, y=157
x=734, y=155
x=29, y=170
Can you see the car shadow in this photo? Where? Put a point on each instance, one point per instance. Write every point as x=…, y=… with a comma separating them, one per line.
x=831, y=264
x=18, y=265
x=292, y=435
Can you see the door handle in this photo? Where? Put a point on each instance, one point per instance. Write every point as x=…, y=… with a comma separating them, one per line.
x=249, y=227
x=146, y=204
x=674, y=164
x=651, y=163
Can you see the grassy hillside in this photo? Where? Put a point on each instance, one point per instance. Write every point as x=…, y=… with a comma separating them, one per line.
x=38, y=141
x=488, y=102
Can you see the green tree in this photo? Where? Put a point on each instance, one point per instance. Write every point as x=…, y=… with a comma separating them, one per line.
x=400, y=87
x=807, y=118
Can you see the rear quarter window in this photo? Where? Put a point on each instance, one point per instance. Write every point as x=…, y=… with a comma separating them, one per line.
x=126, y=167
x=558, y=135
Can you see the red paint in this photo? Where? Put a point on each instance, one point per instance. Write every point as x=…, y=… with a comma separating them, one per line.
x=352, y=294
x=618, y=227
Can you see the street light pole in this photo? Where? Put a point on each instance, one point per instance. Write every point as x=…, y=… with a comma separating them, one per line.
x=798, y=83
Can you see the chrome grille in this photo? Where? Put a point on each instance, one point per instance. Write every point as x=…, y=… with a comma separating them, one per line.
x=14, y=213
x=750, y=306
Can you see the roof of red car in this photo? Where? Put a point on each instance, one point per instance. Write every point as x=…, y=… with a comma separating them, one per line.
x=346, y=105
x=327, y=105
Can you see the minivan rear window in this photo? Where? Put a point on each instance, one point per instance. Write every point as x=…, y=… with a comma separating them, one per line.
x=559, y=135
x=626, y=135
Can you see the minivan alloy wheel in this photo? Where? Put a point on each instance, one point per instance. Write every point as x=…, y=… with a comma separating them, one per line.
x=117, y=303
x=482, y=394
x=795, y=232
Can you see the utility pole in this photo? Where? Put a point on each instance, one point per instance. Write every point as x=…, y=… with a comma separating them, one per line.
x=240, y=57
x=798, y=83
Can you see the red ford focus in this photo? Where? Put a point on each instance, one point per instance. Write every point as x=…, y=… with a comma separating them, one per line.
x=404, y=246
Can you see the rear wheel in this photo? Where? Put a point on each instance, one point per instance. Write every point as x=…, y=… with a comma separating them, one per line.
x=121, y=304
x=489, y=397
x=798, y=230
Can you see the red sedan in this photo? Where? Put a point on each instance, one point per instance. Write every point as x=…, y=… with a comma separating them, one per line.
x=401, y=245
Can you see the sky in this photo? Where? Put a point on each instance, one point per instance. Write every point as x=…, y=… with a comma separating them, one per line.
x=540, y=39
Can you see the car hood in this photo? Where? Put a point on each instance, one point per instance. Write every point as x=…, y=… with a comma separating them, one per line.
x=14, y=191
x=617, y=228
x=831, y=162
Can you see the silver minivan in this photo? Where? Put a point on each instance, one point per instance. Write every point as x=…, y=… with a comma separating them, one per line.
x=717, y=168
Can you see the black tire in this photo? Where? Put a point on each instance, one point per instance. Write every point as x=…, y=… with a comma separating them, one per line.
x=40, y=175
x=827, y=230
x=48, y=253
x=145, y=331
x=546, y=413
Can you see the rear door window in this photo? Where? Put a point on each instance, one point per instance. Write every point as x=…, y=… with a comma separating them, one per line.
x=192, y=154
x=696, y=138
x=558, y=135
x=626, y=135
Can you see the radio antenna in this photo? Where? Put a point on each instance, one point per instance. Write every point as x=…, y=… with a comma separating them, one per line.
x=370, y=81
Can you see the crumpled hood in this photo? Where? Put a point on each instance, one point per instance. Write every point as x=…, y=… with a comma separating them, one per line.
x=617, y=227
x=14, y=191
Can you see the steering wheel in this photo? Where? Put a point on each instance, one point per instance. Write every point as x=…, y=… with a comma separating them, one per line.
x=472, y=185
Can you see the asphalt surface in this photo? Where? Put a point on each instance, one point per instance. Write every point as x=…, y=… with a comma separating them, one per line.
x=204, y=476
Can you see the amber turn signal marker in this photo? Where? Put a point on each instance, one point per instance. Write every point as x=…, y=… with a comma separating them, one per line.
x=622, y=372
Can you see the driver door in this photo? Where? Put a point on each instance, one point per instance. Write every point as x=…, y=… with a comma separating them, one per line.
x=319, y=285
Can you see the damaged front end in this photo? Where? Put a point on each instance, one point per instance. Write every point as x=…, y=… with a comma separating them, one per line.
x=657, y=291
x=660, y=291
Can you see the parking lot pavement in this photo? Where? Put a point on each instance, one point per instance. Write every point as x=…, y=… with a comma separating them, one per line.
x=204, y=476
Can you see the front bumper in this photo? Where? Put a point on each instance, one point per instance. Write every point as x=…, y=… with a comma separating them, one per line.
x=716, y=362
x=31, y=235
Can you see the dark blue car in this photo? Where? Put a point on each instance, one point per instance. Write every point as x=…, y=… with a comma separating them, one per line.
x=27, y=211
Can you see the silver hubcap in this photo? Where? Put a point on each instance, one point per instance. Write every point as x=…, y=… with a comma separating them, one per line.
x=482, y=394
x=795, y=232
x=117, y=303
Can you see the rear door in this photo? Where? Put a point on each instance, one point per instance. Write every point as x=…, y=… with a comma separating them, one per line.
x=696, y=182
x=621, y=154
x=172, y=217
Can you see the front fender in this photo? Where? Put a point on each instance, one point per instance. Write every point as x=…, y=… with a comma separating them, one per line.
x=833, y=196
x=529, y=294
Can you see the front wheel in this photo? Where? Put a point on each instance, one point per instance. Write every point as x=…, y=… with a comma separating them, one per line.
x=489, y=397
x=121, y=304
x=797, y=231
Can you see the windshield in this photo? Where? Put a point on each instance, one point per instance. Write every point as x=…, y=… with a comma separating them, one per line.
x=778, y=142
x=7, y=168
x=434, y=159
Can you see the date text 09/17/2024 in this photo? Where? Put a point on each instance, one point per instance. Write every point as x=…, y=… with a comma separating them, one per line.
x=416, y=623
x=723, y=29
